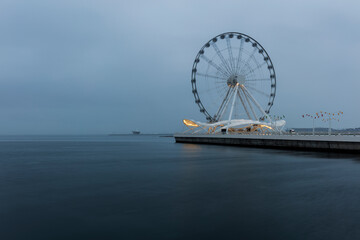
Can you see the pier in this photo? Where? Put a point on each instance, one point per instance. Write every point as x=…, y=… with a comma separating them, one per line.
x=331, y=143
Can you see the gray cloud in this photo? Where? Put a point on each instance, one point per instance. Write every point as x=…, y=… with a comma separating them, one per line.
x=113, y=66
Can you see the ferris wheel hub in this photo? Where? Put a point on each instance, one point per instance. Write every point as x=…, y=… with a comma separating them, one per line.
x=235, y=79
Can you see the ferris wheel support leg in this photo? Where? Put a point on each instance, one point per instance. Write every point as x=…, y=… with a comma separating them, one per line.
x=243, y=103
x=232, y=107
x=259, y=107
x=248, y=101
x=255, y=102
x=218, y=114
x=226, y=104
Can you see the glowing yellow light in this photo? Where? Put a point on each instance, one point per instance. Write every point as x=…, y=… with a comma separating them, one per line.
x=190, y=123
x=265, y=126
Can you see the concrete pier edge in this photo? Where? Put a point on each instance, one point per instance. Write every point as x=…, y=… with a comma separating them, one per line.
x=333, y=143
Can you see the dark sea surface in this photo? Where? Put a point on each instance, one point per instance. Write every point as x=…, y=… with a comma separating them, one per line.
x=148, y=187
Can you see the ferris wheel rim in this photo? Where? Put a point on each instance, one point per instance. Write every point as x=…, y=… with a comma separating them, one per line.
x=255, y=44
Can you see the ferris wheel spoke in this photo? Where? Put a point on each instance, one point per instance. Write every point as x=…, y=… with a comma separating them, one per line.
x=213, y=88
x=258, y=91
x=220, y=92
x=209, y=76
x=251, y=84
x=248, y=60
x=254, y=69
x=230, y=54
x=221, y=57
x=257, y=79
x=220, y=82
x=223, y=92
x=239, y=55
x=217, y=67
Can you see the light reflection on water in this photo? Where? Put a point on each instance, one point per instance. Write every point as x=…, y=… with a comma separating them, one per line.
x=191, y=147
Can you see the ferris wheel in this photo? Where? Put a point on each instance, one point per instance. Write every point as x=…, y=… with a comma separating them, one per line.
x=233, y=75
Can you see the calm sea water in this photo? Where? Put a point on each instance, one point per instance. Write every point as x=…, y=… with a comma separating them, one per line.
x=148, y=187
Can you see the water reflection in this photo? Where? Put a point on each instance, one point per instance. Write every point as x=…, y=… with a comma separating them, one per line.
x=313, y=154
x=190, y=147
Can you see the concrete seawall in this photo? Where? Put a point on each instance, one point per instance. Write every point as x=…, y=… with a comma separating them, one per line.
x=315, y=143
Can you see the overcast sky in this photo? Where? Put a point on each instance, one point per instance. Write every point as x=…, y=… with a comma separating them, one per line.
x=98, y=67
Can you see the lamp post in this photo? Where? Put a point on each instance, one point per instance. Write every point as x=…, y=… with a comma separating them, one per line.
x=313, y=126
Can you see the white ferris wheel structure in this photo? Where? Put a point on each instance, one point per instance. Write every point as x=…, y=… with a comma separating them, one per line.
x=234, y=84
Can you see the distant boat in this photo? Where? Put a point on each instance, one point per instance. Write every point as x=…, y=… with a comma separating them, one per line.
x=136, y=132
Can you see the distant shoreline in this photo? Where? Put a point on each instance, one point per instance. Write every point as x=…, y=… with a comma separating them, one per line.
x=142, y=134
